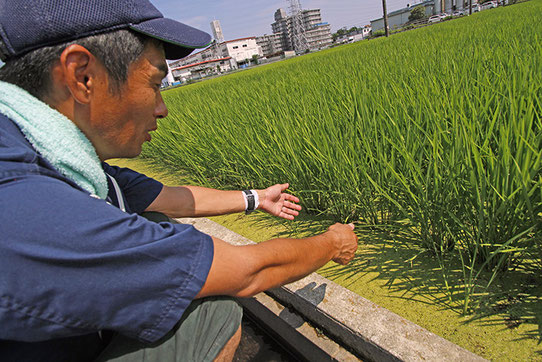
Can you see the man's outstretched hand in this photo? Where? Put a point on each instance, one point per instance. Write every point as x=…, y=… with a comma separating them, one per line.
x=275, y=201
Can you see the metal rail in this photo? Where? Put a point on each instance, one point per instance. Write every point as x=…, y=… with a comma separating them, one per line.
x=294, y=343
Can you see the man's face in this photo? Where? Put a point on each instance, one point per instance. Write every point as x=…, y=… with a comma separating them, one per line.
x=120, y=124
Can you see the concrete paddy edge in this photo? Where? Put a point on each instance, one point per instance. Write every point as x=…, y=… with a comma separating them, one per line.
x=372, y=332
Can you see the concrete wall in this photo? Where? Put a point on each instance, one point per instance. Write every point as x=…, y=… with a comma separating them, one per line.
x=438, y=6
x=397, y=21
x=448, y=4
x=377, y=24
x=394, y=21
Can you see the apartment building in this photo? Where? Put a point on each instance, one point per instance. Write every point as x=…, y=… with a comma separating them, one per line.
x=271, y=44
x=316, y=32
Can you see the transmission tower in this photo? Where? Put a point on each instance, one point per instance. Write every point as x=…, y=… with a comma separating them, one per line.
x=298, y=36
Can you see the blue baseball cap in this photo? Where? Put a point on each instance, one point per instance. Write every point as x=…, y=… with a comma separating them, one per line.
x=26, y=25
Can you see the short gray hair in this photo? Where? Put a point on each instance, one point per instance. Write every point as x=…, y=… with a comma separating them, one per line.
x=115, y=50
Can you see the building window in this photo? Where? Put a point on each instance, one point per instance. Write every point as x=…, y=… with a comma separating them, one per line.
x=236, y=47
x=244, y=45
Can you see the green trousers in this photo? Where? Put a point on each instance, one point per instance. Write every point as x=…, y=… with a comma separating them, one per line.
x=202, y=332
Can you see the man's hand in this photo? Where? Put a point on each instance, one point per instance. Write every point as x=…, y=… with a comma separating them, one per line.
x=345, y=242
x=275, y=201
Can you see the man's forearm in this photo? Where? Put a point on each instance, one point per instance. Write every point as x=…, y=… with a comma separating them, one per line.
x=247, y=270
x=196, y=201
x=282, y=261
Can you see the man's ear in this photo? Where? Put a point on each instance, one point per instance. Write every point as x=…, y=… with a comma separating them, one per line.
x=79, y=70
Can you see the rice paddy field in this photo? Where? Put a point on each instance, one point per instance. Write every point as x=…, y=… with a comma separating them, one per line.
x=430, y=141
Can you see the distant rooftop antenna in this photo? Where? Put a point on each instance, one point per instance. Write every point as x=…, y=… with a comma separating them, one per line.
x=298, y=27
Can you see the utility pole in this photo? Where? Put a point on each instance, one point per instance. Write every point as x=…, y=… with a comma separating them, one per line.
x=386, y=26
x=470, y=7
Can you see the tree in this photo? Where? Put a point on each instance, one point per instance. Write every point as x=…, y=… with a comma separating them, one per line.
x=339, y=33
x=353, y=29
x=344, y=31
x=417, y=13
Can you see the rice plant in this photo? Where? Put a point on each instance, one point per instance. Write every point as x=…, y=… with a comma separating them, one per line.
x=436, y=132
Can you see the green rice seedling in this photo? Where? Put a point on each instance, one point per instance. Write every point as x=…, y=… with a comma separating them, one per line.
x=435, y=133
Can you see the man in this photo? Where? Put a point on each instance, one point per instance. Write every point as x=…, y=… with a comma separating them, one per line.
x=82, y=275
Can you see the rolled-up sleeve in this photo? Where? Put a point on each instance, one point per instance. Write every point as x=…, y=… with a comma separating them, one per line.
x=71, y=264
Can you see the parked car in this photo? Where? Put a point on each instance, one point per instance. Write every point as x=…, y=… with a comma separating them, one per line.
x=434, y=19
x=458, y=13
x=489, y=5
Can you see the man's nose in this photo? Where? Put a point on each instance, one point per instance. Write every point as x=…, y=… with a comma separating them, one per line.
x=161, y=109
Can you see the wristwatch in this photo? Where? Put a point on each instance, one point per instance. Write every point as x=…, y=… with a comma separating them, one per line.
x=250, y=201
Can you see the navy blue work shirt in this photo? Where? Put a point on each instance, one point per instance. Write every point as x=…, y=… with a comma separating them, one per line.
x=72, y=265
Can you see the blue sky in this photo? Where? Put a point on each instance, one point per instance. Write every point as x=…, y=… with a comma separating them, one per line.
x=254, y=17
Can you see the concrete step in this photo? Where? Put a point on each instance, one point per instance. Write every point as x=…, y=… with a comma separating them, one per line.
x=367, y=330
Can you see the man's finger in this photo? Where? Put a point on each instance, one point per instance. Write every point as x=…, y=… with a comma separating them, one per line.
x=291, y=198
x=291, y=205
x=286, y=216
x=351, y=225
x=289, y=211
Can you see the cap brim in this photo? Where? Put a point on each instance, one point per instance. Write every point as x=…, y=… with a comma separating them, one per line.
x=179, y=39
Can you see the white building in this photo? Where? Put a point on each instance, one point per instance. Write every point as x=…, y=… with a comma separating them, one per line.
x=169, y=79
x=355, y=36
x=202, y=69
x=217, y=58
x=241, y=50
x=366, y=31
x=217, y=31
